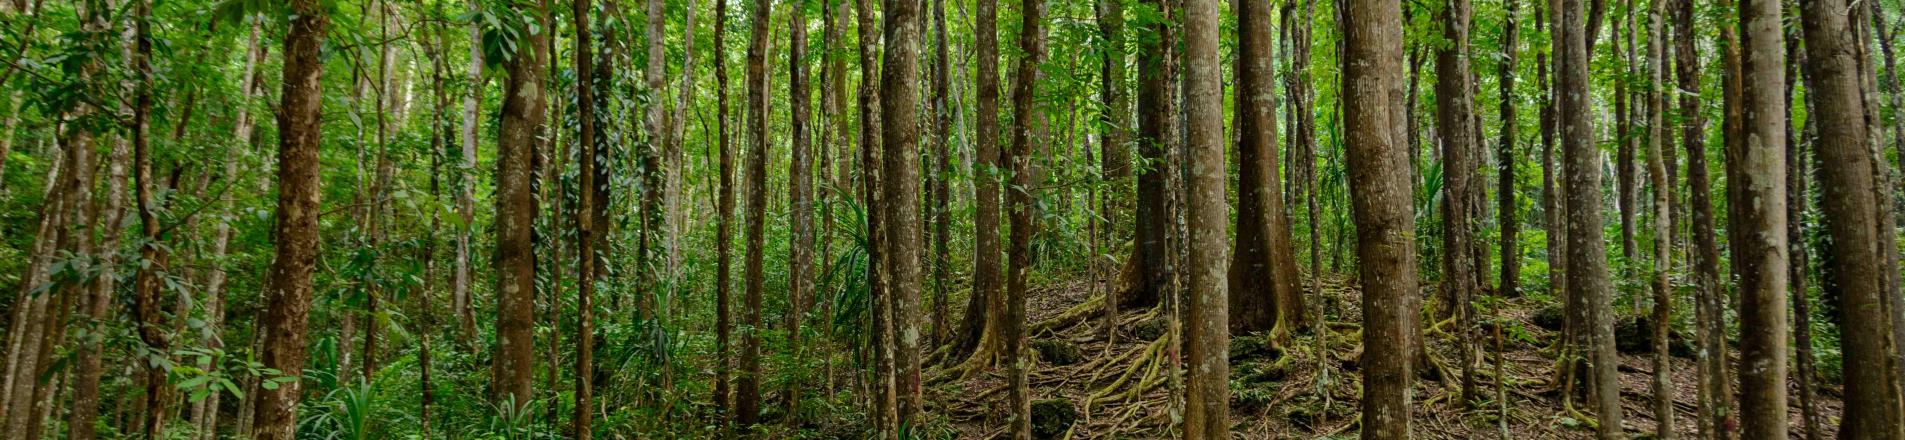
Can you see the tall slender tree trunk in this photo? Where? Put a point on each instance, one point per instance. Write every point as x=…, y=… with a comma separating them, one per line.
x=147, y=281
x=1024, y=172
x=800, y=266
x=82, y=421
x=1455, y=127
x=1715, y=389
x=585, y=232
x=1207, y=337
x=724, y=217
x=1757, y=173
x=1847, y=201
x=288, y=294
x=1263, y=231
x=748, y=391
x=1588, y=284
x=1150, y=273
x=1804, y=365
x=899, y=132
x=460, y=297
x=523, y=112
x=1383, y=208
x=941, y=174
x=981, y=335
x=885, y=395
x=1657, y=166
x=1508, y=180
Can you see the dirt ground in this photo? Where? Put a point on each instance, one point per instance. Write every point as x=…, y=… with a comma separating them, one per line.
x=1120, y=390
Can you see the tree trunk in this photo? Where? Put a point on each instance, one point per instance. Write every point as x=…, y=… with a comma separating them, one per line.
x=748, y=388
x=1657, y=166
x=1588, y=283
x=1263, y=231
x=466, y=193
x=884, y=396
x=941, y=174
x=899, y=96
x=724, y=217
x=1454, y=126
x=1024, y=172
x=1384, y=213
x=288, y=294
x=1804, y=369
x=1852, y=260
x=1757, y=172
x=523, y=111
x=1715, y=394
x=1207, y=337
x=800, y=257
x=584, y=225
x=1626, y=182
x=1509, y=183
x=1150, y=273
x=987, y=300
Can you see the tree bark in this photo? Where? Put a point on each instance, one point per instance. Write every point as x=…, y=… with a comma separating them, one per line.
x=1455, y=126
x=800, y=256
x=884, y=396
x=1657, y=166
x=1508, y=180
x=1588, y=283
x=1852, y=273
x=288, y=294
x=1715, y=389
x=748, y=385
x=1384, y=213
x=987, y=300
x=524, y=102
x=899, y=132
x=1207, y=337
x=584, y=414
x=1020, y=196
x=724, y=217
x=1263, y=231
x=466, y=193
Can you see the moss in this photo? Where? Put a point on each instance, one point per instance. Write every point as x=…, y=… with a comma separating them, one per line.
x=1052, y=417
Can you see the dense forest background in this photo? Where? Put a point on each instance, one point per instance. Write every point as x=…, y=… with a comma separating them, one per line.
x=525, y=219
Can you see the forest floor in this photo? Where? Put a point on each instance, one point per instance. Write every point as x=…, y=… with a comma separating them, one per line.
x=1118, y=390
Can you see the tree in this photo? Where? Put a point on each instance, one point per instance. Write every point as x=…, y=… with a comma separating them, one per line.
x=747, y=405
x=289, y=292
x=1455, y=122
x=1020, y=197
x=1505, y=155
x=1385, y=242
x=1657, y=169
x=724, y=218
x=91, y=352
x=1207, y=336
x=987, y=298
x=800, y=265
x=1715, y=389
x=884, y=396
x=584, y=226
x=1263, y=231
x=460, y=297
x=1588, y=284
x=899, y=133
x=1851, y=261
x=514, y=258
